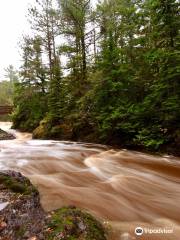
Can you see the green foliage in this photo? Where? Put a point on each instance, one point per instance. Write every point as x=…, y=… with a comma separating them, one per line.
x=55, y=93
x=30, y=109
x=121, y=84
x=6, y=93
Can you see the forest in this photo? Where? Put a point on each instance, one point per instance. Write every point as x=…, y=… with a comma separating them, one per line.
x=105, y=73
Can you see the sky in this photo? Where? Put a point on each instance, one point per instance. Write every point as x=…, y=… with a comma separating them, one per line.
x=13, y=24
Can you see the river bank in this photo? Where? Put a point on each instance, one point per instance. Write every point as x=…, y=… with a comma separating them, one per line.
x=67, y=132
x=22, y=216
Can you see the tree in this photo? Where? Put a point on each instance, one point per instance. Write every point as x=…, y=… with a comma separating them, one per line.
x=6, y=93
x=31, y=91
x=119, y=84
x=161, y=105
x=11, y=74
x=44, y=22
x=74, y=21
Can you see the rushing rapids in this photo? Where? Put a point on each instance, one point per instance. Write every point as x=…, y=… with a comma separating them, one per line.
x=126, y=189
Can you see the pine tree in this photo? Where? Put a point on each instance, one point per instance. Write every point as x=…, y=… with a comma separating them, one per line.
x=30, y=91
x=55, y=96
x=44, y=21
x=74, y=17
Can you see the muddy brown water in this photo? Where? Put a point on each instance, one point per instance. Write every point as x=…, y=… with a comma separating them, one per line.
x=124, y=189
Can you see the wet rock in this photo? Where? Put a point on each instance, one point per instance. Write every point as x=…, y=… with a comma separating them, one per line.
x=71, y=221
x=23, y=217
x=3, y=225
x=16, y=182
x=46, y=130
x=5, y=136
x=3, y=205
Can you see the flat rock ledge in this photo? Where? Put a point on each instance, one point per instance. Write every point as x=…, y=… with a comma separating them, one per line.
x=5, y=136
x=22, y=216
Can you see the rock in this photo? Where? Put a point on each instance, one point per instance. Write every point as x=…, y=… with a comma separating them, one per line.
x=33, y=238
x=5, y=136
x=16, y=182
x=71, y=221
x=48, y=130
x=3, y=225
x=23, y=217
x=3, y=205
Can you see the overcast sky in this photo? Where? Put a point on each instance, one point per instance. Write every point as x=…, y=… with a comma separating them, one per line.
x=12, y=25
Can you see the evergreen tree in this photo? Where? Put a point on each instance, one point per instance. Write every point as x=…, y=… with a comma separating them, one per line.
x=74, y=18
x=30, y=94
x=55, y=93
x=119, y=84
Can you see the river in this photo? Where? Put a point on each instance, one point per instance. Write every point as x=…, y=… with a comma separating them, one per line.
x=124, y=189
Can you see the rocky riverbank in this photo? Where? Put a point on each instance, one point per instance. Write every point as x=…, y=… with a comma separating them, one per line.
x=22, y=217
x=85, y=133
x=5, y=136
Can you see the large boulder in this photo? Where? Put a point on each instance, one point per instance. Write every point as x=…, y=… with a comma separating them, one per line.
x=22, y=217
x=73, y=223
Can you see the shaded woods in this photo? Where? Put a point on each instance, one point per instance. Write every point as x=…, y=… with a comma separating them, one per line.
x=106, y=74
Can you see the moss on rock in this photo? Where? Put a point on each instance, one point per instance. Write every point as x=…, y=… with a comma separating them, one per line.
x=23, y=217
x=71, y=223
x=17, y=183
x=48, y=130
